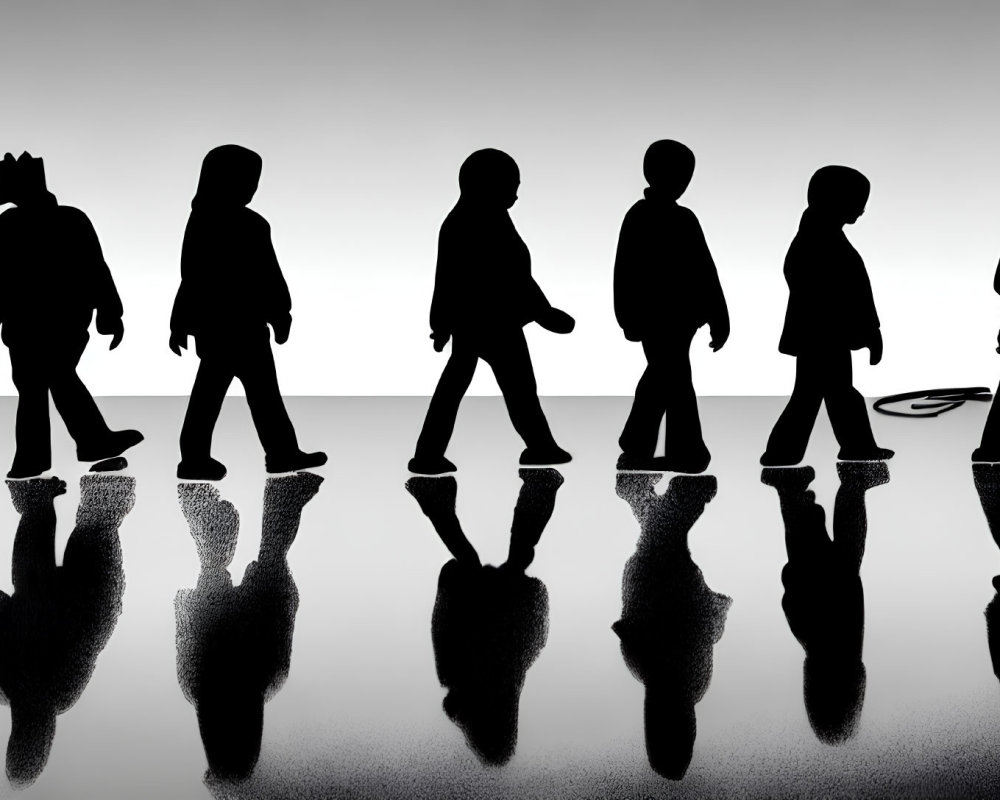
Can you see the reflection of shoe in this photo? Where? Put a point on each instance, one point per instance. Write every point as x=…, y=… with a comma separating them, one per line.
x=434, y=465
x=863, y=476
x=778, y=460
x=295, y=461
x=542, y=456
x=201, y=470
x=114, y=444
x=635, y=463
x=986, y=454
x=795, y=479
x=873, y=454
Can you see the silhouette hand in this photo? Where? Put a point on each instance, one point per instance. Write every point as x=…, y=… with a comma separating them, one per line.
x=440, y=340
x=282, y=328
x=875, y=348
x=178, y=342
x=720, y=335
x=117, y=333
x=998, y=342
x=557, y=321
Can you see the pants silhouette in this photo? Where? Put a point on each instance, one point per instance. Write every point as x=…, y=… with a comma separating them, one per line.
x=253, y=364
x=36, y=371
x=665, y=388
x=824, y=376
x=510, y=361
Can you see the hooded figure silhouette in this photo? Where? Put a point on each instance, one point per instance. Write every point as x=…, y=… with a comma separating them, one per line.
x=830, y=312
x=231, y=290
x=483, y=296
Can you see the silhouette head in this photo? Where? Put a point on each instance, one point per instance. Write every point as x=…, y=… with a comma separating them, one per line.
x=838, y=193
x=668, y=167
x=229, y=178
x=489, y=177
x=22, y=179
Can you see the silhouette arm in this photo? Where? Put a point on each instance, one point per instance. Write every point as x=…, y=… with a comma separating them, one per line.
x=718, y=311
x=628, y=288
x=106, y=300
x=996, y=279
x=442, y=317
x=277, y=300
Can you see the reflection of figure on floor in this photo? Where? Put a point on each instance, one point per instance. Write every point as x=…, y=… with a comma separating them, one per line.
x=671, y=619
x=987, y=480
x=55, y=278
x=484, y=295
x=830, y=312
x=231, y=290
x=234, y=644
x=489, y=623
x=989, y=445
x=58, y=619
x=666, y=287
x=824, y=597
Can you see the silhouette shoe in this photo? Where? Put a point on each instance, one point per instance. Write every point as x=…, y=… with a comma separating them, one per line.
x=777, y=460
x=986, y=454
x=868, y=454
x=692, y=464
x=636, y=463
x=201, y=469
x=20, y=470
x=430, y=465
x=114, y=444
x=295, y=461
x=543, y=456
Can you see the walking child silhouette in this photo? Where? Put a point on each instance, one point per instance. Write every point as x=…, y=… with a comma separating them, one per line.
x=830, y=312
x=231, y=290
x=484, y=295
x=55, y=277
x=666, y=287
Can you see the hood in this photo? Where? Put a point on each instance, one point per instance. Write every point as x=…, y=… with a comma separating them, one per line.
x=229, y=178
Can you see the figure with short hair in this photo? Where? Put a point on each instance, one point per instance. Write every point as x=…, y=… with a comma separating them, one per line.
x=484, y=295
x=666, y=287
x=831, y=311
x=55, y=278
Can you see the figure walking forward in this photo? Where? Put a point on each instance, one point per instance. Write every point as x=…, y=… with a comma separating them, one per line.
x=484, y=295
x=231, y=290
x=831, y=312
x=666, y=287
x=55, y=278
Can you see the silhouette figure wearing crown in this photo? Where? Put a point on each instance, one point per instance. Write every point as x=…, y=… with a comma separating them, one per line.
x=59, y=618
x=830, y=312
x=234, y=643
x=231, y=290
x=671, y=620
x=666, y=287
x=484, y=295
x=55, y=278
x=489, y=623
x=824, y=600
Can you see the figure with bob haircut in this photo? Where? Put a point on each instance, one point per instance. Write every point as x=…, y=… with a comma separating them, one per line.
x=831, y=311
x=484, y=295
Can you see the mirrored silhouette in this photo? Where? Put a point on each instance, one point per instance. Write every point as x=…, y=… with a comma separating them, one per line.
x=55, y=278
x=234, y=643
x=989, y=446
x=824, y=598
x=484, y=295
x=666, y=287
x=231, y=289
x=671, y=620
x=490, y=623
x=58, y=619
x=831, y=311
x=987, y=480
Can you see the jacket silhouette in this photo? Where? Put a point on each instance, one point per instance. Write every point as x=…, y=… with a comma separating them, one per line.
x=671, y=619
x=830, y=313
x=484, y=295
x=55, y=279
x=231, y=289
x=59, y=618
x=666, y=286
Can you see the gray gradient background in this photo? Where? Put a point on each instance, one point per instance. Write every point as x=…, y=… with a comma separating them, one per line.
x=360, y=714
x=363, y=112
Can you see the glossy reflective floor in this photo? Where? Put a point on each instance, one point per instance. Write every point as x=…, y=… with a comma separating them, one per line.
x=503, y=633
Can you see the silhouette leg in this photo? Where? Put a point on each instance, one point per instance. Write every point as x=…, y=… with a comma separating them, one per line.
x=204, y=406
x=511, y=364
x=33, y=453
x=989, y=446
x=535, y=503
x=684, y=447
x=260, y=380
x=790, y=435
x=850, y=517
x=642, y=428
x=846, y=408
x=75, y=404
x=439, y=424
